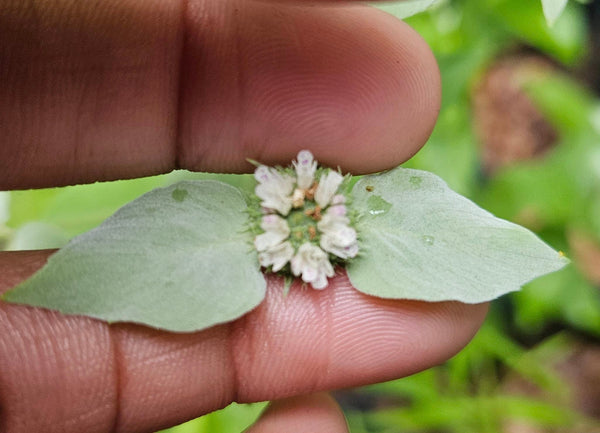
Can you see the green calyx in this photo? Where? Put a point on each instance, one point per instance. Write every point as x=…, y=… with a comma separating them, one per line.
x=303, y=224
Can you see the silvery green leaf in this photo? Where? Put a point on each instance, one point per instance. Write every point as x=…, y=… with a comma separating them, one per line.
x=406, y=8
x=421, y=240
x=176, y=258
x=553, y=9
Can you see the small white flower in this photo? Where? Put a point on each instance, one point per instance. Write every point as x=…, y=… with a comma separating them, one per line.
x=312, y=263
x=328, y=185
x=338, y=199
x=342, y=242
x=335, y=215
x=305, y=166
x=337, y=237
x=274, y=189
x=276, y=256
x=276, y=231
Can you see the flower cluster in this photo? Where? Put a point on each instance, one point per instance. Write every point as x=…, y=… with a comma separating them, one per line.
x=304, y=220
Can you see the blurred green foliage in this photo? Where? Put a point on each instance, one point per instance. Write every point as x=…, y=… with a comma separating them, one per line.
x=234, y=418
x=555, y=194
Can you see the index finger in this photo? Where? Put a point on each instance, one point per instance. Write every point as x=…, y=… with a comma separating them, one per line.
x=70, y=374
x=140, y=87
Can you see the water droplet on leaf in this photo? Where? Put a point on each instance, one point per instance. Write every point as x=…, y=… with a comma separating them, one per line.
x=428, y=240
x=377, y=205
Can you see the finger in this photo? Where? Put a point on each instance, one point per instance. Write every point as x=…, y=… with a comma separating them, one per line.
x=130, y=88
x=68, y=373
x=317, y=413
x=353, y=84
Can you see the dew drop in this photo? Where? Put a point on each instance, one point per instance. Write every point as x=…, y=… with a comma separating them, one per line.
x=378, y=206
x=428, y=240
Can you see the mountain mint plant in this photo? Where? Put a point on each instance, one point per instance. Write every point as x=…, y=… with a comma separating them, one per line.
x=179, y=258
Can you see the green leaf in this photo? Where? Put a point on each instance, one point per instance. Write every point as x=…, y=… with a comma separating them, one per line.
x=421, y=240
x=176, y=258
x=564, y=102
x=566, y=41
x=406, y=8
x=553, y=9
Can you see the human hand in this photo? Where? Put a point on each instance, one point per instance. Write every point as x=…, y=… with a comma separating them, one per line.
x=131, y=88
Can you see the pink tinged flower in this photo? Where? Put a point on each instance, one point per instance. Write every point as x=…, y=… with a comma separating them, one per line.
x=312, y=263
x=337, y=237
x=338, y=199
x=335, y=216
x=274, y=189
x=305, y=169
x=276, y=231
x=337, y=211
x=276, y=256
x=341, y=242
x=328, y=185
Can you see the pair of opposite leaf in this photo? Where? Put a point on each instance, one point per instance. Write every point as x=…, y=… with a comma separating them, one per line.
x=180, y=258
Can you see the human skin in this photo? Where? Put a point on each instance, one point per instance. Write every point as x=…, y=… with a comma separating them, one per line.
x=115, y=89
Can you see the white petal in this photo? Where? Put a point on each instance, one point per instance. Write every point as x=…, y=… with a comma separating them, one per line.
x=312, y=263
x=330, y=222
x=338, y=199
x=297, y=264
x=342, y=251
x=320, y=282
x=341, y=241
x=268, y=240
x=305, y=166
x=273, y=199
x=327, y=268
x=274, y=223
x=276, y=231
x=309, y=274
x=328, y=185
x=277, y=256
x=262, y=174
x=305, y=158
x=351, y=250
x=274, y=189
x=337, y=211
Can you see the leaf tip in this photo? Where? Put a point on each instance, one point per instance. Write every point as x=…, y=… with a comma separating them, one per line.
x=6, y=296
x=553, y=9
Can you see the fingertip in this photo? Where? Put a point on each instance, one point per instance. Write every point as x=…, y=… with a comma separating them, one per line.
x=311, y=340
x=310, y=413
x=133, y=378
x=351, y=83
